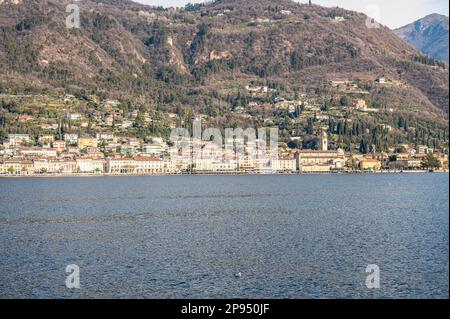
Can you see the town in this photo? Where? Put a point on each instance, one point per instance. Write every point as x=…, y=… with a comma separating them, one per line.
x=106, y=154
x=336, y=126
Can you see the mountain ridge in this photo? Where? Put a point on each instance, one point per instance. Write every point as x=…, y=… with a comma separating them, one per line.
x=429, y=35
x=167, y=56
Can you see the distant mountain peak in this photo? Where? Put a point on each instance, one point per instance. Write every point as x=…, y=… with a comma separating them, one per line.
x=429, y=35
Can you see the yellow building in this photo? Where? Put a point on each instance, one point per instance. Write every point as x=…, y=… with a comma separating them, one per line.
x=316, y=168
x=359, y=104
x=309, y=161
x=10, y=167
x=370, y=164
x=120, y=166
x=85, y=142
x=27, y=167
x=46, y=139
x=284, y=164
x=444, y=161
x=59, y=145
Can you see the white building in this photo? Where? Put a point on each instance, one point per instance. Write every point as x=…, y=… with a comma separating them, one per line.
x=105, y=136
x=147, y=165
x=71, y=139
x=90, y=165
x=152, y=149
x=120, y=166
x=52, y=166
x=39, y=151
x=73, y=116
x=284, y=165
x=17, y=140
x=139, y=165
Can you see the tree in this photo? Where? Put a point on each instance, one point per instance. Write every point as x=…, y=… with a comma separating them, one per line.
x=364, y=146
x=295, y=144
x=296, y=60
x=3, y=134
x=431, y=162
x=203, y=30
x=193, y=6
x=353, y=164
x=344, y=100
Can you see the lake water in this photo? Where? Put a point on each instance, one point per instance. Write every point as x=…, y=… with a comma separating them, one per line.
x=290, y=236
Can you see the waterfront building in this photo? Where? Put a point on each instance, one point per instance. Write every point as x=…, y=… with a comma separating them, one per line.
x=216, y=166
x=41, y=166
x=27, y=167
x=148, y=165
x=246, y=163
x=402, y=156
x=226, y=166
x=406, y=164
x=286, y=164
x=69, y=166
x=263, y=164
x=10, y=167
x=414, y=163
x=203, y=165
x=370, y=164
x=320, y=161
x=120, y=165
x=54, y=166
x=310, y=161
x=90, y=165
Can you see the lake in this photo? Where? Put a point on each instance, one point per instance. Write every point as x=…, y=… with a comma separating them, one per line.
x=290, y=236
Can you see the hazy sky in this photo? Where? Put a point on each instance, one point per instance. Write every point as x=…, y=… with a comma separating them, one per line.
x=393, y=13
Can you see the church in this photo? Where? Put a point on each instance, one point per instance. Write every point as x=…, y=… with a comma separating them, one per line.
x=322, y=160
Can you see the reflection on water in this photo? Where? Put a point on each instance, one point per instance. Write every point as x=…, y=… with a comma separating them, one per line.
x=187, y=236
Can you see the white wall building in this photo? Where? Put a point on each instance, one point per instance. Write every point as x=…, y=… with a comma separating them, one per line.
x=71, y=139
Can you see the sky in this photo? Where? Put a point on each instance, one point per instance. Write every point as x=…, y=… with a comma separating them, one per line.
x=392, y=13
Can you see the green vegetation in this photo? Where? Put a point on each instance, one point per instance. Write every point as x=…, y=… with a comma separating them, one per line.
x=431, y=162
x=199, y=60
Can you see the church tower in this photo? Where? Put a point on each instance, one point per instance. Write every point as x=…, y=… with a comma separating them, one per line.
x=324, y=141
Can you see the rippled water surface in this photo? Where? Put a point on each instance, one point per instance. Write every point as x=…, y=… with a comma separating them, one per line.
x=187, y=236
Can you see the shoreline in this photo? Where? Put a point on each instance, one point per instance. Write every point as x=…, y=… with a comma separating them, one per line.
x=87, y=175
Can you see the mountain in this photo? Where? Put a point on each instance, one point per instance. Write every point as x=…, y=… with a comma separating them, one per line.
x=202, y=56
x=429, y=35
